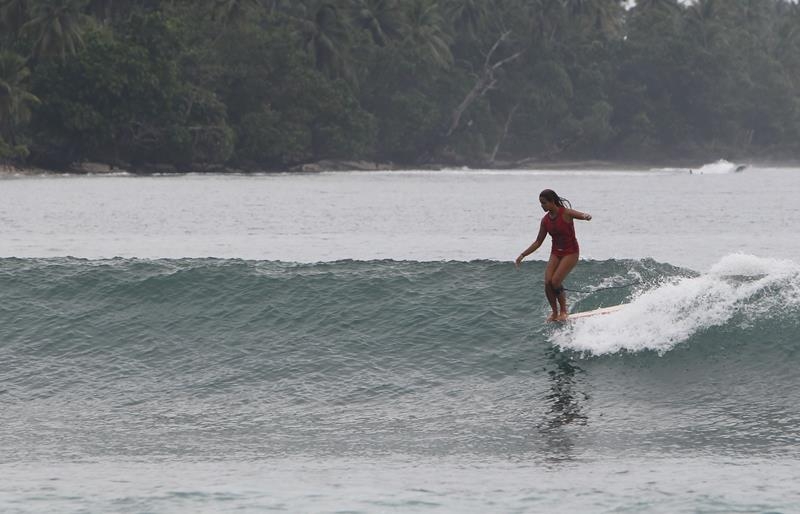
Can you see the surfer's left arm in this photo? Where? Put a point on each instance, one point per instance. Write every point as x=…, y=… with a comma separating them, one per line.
x=579, y=215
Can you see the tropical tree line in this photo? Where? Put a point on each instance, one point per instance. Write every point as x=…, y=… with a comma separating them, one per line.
x=270, y=84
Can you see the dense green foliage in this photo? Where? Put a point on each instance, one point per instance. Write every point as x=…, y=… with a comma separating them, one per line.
x=269, y=84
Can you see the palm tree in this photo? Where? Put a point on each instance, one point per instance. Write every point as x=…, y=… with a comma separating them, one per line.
x=760, y=19
x=56, y=26
x=382, y=18
x=425, y=32
x=650, y=17
x=702, y=18
x=604, y=16
x=15, y=99
x=326, y=39
x=468, y=16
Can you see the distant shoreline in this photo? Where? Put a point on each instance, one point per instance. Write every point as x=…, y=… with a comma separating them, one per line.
x=325, y=166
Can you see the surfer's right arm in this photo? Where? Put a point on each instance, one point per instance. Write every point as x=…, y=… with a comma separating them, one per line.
x=533, y=247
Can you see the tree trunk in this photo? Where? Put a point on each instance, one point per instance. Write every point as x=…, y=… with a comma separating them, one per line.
x=484, y=83
x=502, y=138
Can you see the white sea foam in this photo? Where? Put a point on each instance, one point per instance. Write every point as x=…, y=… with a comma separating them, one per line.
x=669, y=314
x=720, y=167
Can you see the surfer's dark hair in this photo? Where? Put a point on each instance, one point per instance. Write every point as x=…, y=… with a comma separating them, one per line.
x=551, y=196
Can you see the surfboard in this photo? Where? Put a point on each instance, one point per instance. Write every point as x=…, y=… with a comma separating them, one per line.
x=596, y=312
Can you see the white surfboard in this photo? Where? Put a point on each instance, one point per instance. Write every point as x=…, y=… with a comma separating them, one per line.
x=596, y=312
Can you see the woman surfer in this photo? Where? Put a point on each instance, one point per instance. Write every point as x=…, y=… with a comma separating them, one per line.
x=564, y=255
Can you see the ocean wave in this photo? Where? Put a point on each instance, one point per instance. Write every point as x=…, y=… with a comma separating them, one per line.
x=230, y=322
x=227, y=357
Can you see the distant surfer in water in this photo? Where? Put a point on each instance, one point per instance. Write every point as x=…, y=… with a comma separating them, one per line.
x=564, y=255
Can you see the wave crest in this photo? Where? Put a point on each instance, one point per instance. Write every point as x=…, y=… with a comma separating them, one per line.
x=742, y=289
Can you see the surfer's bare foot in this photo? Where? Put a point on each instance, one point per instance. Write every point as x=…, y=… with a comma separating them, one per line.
x=553, y=317
x=563, y=316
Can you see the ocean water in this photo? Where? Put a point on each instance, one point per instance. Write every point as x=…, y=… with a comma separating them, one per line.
x=359, y=342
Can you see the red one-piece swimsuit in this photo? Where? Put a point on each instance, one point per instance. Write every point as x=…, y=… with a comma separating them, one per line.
x=562, y=233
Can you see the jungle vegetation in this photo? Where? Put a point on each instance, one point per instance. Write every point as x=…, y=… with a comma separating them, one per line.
x=270, y=84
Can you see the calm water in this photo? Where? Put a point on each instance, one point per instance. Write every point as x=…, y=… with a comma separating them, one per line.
x=668, y=215
x=360, y=342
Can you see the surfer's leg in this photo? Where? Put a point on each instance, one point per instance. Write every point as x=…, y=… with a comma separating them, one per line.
x=565, y=265
x=549, y=270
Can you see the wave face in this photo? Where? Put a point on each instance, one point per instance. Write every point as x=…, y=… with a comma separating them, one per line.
x=226, y=356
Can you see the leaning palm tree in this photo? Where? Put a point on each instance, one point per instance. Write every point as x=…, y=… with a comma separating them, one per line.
x=426, y=32
x=56, y=26
x=15, y=99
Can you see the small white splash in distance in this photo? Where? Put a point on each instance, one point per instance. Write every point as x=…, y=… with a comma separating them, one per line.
x=720, y=167
x=661, y=318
